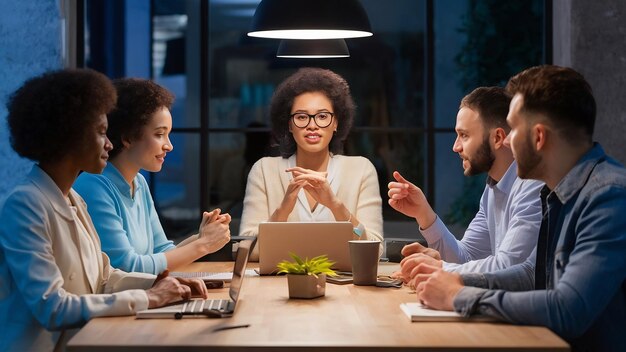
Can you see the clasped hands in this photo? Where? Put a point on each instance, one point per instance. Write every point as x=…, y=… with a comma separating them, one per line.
x=416, y=257
x=314, y=182
x=214, y=230
x=421, y=269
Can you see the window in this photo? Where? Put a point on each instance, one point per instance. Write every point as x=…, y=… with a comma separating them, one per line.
x=407, y=81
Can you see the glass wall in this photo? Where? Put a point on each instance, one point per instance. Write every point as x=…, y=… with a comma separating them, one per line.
x=407, y=81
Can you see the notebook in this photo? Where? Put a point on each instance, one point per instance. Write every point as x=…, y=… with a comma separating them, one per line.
x=418, y=312
x=213, y=308
x=306, y=239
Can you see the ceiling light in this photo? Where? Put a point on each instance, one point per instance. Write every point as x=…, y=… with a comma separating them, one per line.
x=310, y=19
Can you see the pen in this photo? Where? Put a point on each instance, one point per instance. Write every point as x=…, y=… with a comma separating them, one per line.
x=228, y=327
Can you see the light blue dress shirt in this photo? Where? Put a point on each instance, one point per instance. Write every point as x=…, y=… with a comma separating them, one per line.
x=585, y=299
x=503, y=232
x=128, y=224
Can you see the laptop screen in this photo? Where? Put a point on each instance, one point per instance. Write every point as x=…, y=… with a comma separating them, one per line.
x=240, y=268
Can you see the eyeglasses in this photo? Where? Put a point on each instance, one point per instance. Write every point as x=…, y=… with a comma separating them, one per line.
x=322, y=119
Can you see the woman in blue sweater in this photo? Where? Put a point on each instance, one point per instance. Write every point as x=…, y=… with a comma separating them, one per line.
x=119, y=199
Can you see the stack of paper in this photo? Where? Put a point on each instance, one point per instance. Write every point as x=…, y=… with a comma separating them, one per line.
x=418, y=312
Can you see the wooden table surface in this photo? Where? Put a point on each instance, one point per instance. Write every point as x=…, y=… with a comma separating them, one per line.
x=349, y=317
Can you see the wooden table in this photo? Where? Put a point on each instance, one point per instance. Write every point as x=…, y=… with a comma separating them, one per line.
x=349, y=317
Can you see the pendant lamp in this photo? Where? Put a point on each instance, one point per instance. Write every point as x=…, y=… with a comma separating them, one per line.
x=310, y=19
x=312, y=49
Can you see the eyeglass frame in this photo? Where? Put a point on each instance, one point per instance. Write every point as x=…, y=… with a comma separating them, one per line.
x=312, y=117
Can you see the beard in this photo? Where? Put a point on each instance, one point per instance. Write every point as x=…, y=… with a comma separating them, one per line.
x=527, y=161
x=482, y=161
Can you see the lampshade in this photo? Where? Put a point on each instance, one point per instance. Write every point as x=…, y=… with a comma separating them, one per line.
x=313, y=49
x=310, y=19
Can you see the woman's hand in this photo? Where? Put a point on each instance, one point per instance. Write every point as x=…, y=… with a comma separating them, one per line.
x=316, y=184
x=167, y=289
x=290, y=198
x=214, y=230
x=291, y=195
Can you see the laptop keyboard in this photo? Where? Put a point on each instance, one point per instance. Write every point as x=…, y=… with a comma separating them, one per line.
x=197, y=306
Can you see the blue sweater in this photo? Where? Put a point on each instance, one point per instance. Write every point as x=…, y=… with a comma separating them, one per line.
x=128, y=225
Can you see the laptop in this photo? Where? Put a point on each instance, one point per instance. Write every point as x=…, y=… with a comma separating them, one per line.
x=212, y=308
x=306, y=239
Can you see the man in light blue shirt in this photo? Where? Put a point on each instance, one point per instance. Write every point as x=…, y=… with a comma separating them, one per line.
x=504, y=231
x=578, y=287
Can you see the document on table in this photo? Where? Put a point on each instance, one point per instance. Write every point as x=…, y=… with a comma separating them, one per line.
x=417, y=312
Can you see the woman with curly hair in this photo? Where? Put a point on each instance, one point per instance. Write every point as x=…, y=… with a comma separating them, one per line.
x=119, y=200
x=312, y=112
x=53, y=275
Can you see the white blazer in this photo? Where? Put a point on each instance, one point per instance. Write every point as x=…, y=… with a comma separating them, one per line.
x=52, y=280
x=352, y=178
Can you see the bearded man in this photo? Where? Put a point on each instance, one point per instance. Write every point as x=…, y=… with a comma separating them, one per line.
x=577, y=285
x=505, y=229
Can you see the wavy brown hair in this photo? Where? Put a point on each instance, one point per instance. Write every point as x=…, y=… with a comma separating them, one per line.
x=137, y=100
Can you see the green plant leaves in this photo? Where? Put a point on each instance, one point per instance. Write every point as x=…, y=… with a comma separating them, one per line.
x=315, y=266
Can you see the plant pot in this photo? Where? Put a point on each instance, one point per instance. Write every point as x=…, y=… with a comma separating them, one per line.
x=306, y=286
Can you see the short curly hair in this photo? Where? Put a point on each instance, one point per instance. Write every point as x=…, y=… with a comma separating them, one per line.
x=307, y=80
x=137, y=100
x=48, y=114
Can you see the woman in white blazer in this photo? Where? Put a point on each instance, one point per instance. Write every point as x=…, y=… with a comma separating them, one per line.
x=312, y=113
x=53, y=276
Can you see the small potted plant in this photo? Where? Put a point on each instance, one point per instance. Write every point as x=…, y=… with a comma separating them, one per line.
x=306, y=278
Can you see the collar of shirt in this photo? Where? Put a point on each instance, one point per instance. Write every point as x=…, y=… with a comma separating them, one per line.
x=113, y=174
x=506, y=182
x=576, y=178
x=50, y=190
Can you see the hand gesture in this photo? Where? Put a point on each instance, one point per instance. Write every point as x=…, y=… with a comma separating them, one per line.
x=415, y=248
x=413, y=265
x=316, y=184
x=409, y=199
x=291, y=195
x=436, y=288
x=214, y=230
x=167, y=289
x=406, y=197
x=409, y=252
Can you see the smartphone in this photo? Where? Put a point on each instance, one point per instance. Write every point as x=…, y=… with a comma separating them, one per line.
x=340, y=279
